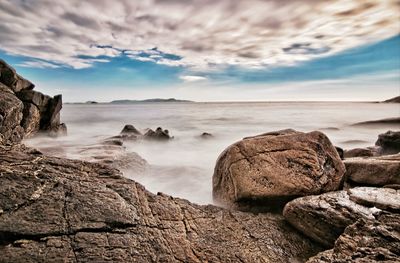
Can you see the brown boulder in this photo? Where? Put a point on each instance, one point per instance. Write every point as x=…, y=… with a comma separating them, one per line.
x=324, y=217
x=266, y=171
x=377, y=171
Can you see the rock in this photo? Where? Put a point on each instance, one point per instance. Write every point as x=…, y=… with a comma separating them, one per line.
x=206, y=135
x=11, y=79
x=74, y=211
x=31, y=119
x=51, y=116
x=382, y=198
x=37, y=98
x=389, y=142
x=113, y=155
x=366, y=241
x=113, y=141
x=393, y=100
x=340, y=152
x=11, y=115
x=266, y=171
x=129, y=130
x=159, y=135
x=324, y=217
x=377, y=171
x=358, y=152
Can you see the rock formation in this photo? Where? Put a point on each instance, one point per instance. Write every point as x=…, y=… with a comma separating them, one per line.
x=74, y=211
x=266, y=171
x=393, y=100
x=159, y=135
x=23, y=111
x=376, y=240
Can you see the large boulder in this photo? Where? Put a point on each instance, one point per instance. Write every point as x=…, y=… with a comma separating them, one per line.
x=10, y=117
x=266, y=171
x=74, y=211
x=389, y=142
x=11, y=79
x=324, y=217
x=366, y=241
x=376, y=171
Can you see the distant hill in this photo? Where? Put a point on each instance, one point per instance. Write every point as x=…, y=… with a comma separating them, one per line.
x=393, y=100
x=148, y=100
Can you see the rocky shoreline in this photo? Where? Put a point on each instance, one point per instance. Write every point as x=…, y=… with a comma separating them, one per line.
x=288, y=197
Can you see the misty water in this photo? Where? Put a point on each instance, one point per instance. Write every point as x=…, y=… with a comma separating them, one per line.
x=183, y=167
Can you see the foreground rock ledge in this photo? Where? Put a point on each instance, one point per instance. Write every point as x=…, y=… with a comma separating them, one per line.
x=59, y=210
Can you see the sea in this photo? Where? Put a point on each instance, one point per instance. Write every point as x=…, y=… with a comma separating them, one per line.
x=184, y=166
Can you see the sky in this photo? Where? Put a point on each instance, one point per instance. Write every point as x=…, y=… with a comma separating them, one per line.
x=205, y=50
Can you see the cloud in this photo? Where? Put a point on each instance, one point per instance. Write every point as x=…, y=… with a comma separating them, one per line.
x=38, y=64
x=189, y=78
x=202, y=34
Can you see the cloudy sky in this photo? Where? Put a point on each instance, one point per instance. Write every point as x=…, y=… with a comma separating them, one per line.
x=205, y=50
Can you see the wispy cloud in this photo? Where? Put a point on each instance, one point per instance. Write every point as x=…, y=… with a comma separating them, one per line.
x=189, y=78
x=203, y=34
x=38, y=64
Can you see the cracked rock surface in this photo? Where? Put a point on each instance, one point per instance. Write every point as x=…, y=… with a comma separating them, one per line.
x=60, y=210
x=324, y=217
x=366, y=241
x=266, y=171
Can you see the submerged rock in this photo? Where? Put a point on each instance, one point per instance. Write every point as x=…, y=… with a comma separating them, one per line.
x=129, y=130
x=266, y=171
x=206, y=135
x=389, y=142
x=377, y=171
x=324, y=217
x=74, y=211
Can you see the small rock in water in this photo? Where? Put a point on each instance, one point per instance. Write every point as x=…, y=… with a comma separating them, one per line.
x=130, y=129
x=206, y=135
x=389, y=142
